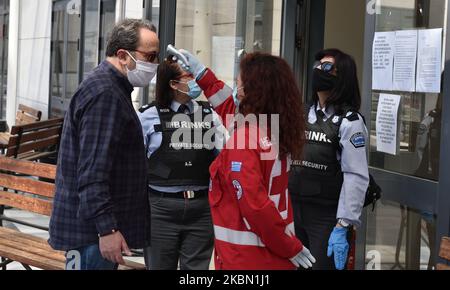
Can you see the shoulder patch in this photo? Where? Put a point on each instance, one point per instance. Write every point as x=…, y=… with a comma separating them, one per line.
x=353, y=117
x=358, y=140
x=147, y=107
x=144, y=108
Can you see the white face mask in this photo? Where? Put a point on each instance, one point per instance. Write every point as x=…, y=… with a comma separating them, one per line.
x=143, y=74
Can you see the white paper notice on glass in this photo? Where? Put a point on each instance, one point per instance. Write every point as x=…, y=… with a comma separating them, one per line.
x=405, y=60
x=387, y=124
x=383, y=60
x=429, y=61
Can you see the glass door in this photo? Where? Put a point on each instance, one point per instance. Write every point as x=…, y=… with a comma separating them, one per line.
x=65, y=55
x=401, y=232
x=4, y=35
x=217, y=30
x=107, y=22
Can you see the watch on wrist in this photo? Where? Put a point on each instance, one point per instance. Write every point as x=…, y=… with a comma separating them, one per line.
x=344, y=224
x=107, y=233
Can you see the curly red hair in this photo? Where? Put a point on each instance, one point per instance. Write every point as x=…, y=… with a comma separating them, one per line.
x=270, y=88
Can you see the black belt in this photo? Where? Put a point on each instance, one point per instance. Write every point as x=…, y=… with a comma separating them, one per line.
x=182, y=194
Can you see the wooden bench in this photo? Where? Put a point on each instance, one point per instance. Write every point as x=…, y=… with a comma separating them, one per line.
x=25, y=115
x=444, y=253
x=20, y=188
x=35, y=141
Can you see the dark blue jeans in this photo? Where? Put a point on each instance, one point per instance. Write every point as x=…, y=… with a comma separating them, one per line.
x=88, y=258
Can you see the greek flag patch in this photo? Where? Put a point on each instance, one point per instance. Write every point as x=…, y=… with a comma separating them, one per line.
x=358, y=140
x=236, y=166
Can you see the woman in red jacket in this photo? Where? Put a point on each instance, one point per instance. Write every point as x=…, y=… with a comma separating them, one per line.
x=250, y=204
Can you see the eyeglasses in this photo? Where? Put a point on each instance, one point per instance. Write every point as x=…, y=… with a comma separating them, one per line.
x=150, y=57
x=326, y=66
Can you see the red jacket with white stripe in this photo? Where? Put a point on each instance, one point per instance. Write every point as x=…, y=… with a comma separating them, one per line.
x=250, y=204
x=219, y=95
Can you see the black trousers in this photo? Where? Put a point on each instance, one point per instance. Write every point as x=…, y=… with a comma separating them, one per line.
x=314, y=224
x=181, y=233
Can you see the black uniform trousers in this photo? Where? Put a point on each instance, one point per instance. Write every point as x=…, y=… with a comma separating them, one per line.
x=314, y=224
x=182, y=232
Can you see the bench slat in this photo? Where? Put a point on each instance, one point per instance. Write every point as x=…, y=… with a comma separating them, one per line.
x=34, y=145
x=49, y=254
x=30, y=111
x=130, y=265
x=36, y=126
x=6, y=231
x=29, y=241
x=30, y=259
x=442, y=267
x=29, y=168
x=24, y=119
x=26, y=203
x=33, y=156
x=42, y=134
x=27, y=185
x=445, y=249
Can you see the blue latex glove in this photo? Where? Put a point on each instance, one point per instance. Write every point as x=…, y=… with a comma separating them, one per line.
x=338, y=245
x=194, y=66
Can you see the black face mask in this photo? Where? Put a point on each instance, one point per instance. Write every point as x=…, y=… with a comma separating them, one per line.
x=323, y=81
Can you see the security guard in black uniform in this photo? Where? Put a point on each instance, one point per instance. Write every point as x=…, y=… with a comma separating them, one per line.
x=181, y=137
x=328, y=187
x=182, y=164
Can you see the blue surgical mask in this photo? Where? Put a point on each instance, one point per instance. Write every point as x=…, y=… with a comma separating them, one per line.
x=194, y=89
x=237, y=102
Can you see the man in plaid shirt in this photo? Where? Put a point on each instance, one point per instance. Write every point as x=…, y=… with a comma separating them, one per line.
x=101, y=207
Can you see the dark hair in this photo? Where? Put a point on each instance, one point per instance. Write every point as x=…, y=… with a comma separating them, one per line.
x=346, y=95
x=126, y=35
x=167, y=71
x=270, y=88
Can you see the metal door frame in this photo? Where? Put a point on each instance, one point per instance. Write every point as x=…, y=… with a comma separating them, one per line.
x=411, y=191
x=414, y=192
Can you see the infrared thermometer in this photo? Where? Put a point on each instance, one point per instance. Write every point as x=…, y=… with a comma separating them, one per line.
x=171, y=50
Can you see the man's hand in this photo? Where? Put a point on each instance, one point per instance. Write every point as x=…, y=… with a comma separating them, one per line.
x=112, y=247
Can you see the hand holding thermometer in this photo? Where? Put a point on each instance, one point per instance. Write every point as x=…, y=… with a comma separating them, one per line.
x=171, y=50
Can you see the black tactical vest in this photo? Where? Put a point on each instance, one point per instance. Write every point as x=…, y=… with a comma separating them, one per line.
x=184, y=161
x=318, y=177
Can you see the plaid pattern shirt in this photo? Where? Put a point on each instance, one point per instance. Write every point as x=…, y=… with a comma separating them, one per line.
x=101, y=182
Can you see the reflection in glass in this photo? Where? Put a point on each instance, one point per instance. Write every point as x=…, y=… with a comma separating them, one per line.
x=91, y=37
x=420, y=114
x=4, y=24
x=72, y=55
x=223, y=27
x=154, y=18
x=66, y=29
x=57, y=53
x=404, y=238
x=107, y=21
